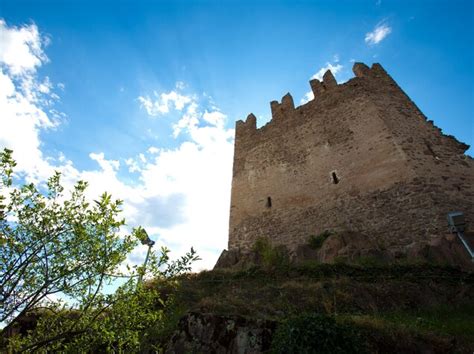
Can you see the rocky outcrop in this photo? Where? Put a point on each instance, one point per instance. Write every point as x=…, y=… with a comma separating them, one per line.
x=228, y=259
x=210, y=333
x=358, y=248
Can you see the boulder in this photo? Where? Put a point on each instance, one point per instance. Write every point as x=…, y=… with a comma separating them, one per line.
x=210, y=333
x=228, y=259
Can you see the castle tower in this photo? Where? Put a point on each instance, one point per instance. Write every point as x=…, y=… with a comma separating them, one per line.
x=360, y=156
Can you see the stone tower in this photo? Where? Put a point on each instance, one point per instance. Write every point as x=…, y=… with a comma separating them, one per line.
x=360, y=157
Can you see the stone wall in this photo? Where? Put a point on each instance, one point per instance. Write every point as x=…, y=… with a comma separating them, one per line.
x=360, y=156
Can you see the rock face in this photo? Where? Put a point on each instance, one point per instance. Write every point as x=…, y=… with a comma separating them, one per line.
x=445, y=249
x=360, y=157
x=209, y=333
x=353, y=247
x=228, y=259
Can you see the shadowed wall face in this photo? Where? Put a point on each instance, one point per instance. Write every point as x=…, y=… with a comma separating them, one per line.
x=360, y=156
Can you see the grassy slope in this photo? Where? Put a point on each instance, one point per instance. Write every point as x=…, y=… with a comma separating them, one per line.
x=412, y=302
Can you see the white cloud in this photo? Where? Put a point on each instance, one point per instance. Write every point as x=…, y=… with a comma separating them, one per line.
x=188, y=121
x=335, y=69
x=308, y=96
x=181, y=195
x=195, y=179
x=162, y=103
x=153, y=150
x=200, y=170
x=21, y=48
x=25, y=100
x=180, y=85
x=215, y=118
x=132, y=165
x=107, y=166
x=380, y=31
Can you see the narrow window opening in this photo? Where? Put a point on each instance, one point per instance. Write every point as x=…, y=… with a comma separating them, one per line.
x=335, y=179
x=269, y=202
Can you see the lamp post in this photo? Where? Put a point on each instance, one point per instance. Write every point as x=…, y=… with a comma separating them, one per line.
x=457, y=225
x=145, y=240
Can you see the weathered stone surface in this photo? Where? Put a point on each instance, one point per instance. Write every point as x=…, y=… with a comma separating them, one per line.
x=228, y=259
x=317, y=87
x=361, y=70
x=360, y=157
x=209, y=333
x=331, y=249
x=303, y=252
x=329, y=81
x=441, y=250
x=287, y=102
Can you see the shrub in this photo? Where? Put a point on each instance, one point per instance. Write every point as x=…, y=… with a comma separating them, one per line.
x=316, y=241
x=262, y=245
x=315, y=333
x=270, y=256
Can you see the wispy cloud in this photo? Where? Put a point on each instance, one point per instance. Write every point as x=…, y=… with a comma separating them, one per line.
x=308, y=96
x=335, y=69
x=162, y=102
x=380, y=32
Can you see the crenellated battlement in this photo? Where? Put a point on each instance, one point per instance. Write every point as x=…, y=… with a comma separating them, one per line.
x=359, y=156
x=279, y=110
x=321, y=90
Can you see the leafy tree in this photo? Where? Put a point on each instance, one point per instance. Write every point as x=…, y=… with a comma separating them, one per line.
x=56, y=243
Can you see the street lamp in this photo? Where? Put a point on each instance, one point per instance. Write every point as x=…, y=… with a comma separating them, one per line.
x=145, y=240
x=457, y=225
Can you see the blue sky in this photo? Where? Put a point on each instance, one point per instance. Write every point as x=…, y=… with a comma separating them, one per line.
x=141, y=97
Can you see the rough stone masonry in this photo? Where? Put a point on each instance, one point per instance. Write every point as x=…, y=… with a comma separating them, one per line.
x=359, y=159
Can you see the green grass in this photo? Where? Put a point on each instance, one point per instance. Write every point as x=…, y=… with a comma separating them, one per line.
x=399, y=302
x=316, y=241
x=444, y=320
x=271, y=293
x=271, y=256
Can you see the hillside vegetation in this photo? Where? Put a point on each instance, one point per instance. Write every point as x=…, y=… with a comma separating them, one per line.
x=395, y=308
